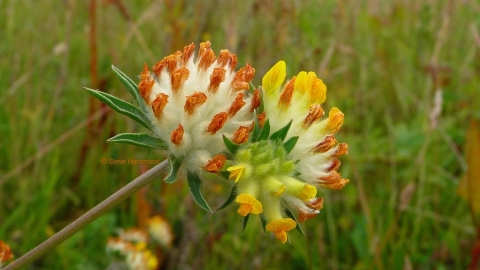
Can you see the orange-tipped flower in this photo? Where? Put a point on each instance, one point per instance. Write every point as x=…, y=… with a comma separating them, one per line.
x=186, y=98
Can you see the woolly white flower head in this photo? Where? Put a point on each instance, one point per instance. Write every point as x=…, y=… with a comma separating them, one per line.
x=193, y=101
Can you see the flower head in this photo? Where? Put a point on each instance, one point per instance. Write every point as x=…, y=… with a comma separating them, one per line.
x=193, y=101
x=316, y=148
x=190, y=104
x=131, y=247
x=282, y=171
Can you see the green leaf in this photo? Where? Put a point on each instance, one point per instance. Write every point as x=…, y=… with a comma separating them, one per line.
x=139, y=139
x=265, y=131
x=264, y=223
x=131, y=87
x=225, y=175
x=231, y=197
x=281, y=133
x=262, y=103
x=245, y=221
x=195, y=184
x=173, y=164
x=231, y=146
x=256, y=127
x=290, y=144
x=290, y=215
x=122, y=107
x=252, y=87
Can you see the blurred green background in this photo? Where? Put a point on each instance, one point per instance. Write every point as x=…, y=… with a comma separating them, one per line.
x=384, y=62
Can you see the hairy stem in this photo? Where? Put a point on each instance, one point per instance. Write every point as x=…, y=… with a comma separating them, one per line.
x=89, y=217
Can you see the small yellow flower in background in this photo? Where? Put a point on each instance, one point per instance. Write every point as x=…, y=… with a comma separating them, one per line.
x=160, y=231
x=131, y=248
x=134, y=235
x=279, y=171
x=5, y=253
x=141, y=259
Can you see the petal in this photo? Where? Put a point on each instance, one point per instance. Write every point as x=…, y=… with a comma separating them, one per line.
x=279, y=191
x=281, y=235
x=280, y=227
x=283, y=224
x=236, y=172
x=240, y=135
x=335, y=121
x=217, y=122
x=177, y=135
x=248, y=203
x=301, y=82
x=274, y=77
x=318, y=92
x=308, y=192
x=216, y=164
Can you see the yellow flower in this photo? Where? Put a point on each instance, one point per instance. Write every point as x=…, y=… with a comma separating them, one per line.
x=160, y=231
x=248, y=204
x=316, y=149
x=236, y=172
x=280, y=227
x=308, y=192
x=131, y=246
x=299, y=155
x=308, y=84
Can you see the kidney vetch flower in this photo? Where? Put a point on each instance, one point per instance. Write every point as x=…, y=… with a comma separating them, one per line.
x=279, y=172
x=189, y=103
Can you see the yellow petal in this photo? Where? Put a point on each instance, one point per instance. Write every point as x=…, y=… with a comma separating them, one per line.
x=274, y=78
x=311, y=77
x=281, y=235
x=282, y=224
x=244, y=209
x=308, y=83
x=318, y=92
x=280, y=227
x=308, y=192
x=335, y=121
x=236, y=172
x=248, y=204
x=301, y=83
x=279, y=191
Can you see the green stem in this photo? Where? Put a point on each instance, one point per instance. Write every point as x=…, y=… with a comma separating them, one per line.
x=88, y=217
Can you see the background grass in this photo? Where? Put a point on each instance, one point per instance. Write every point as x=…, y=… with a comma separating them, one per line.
x=382, y=61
